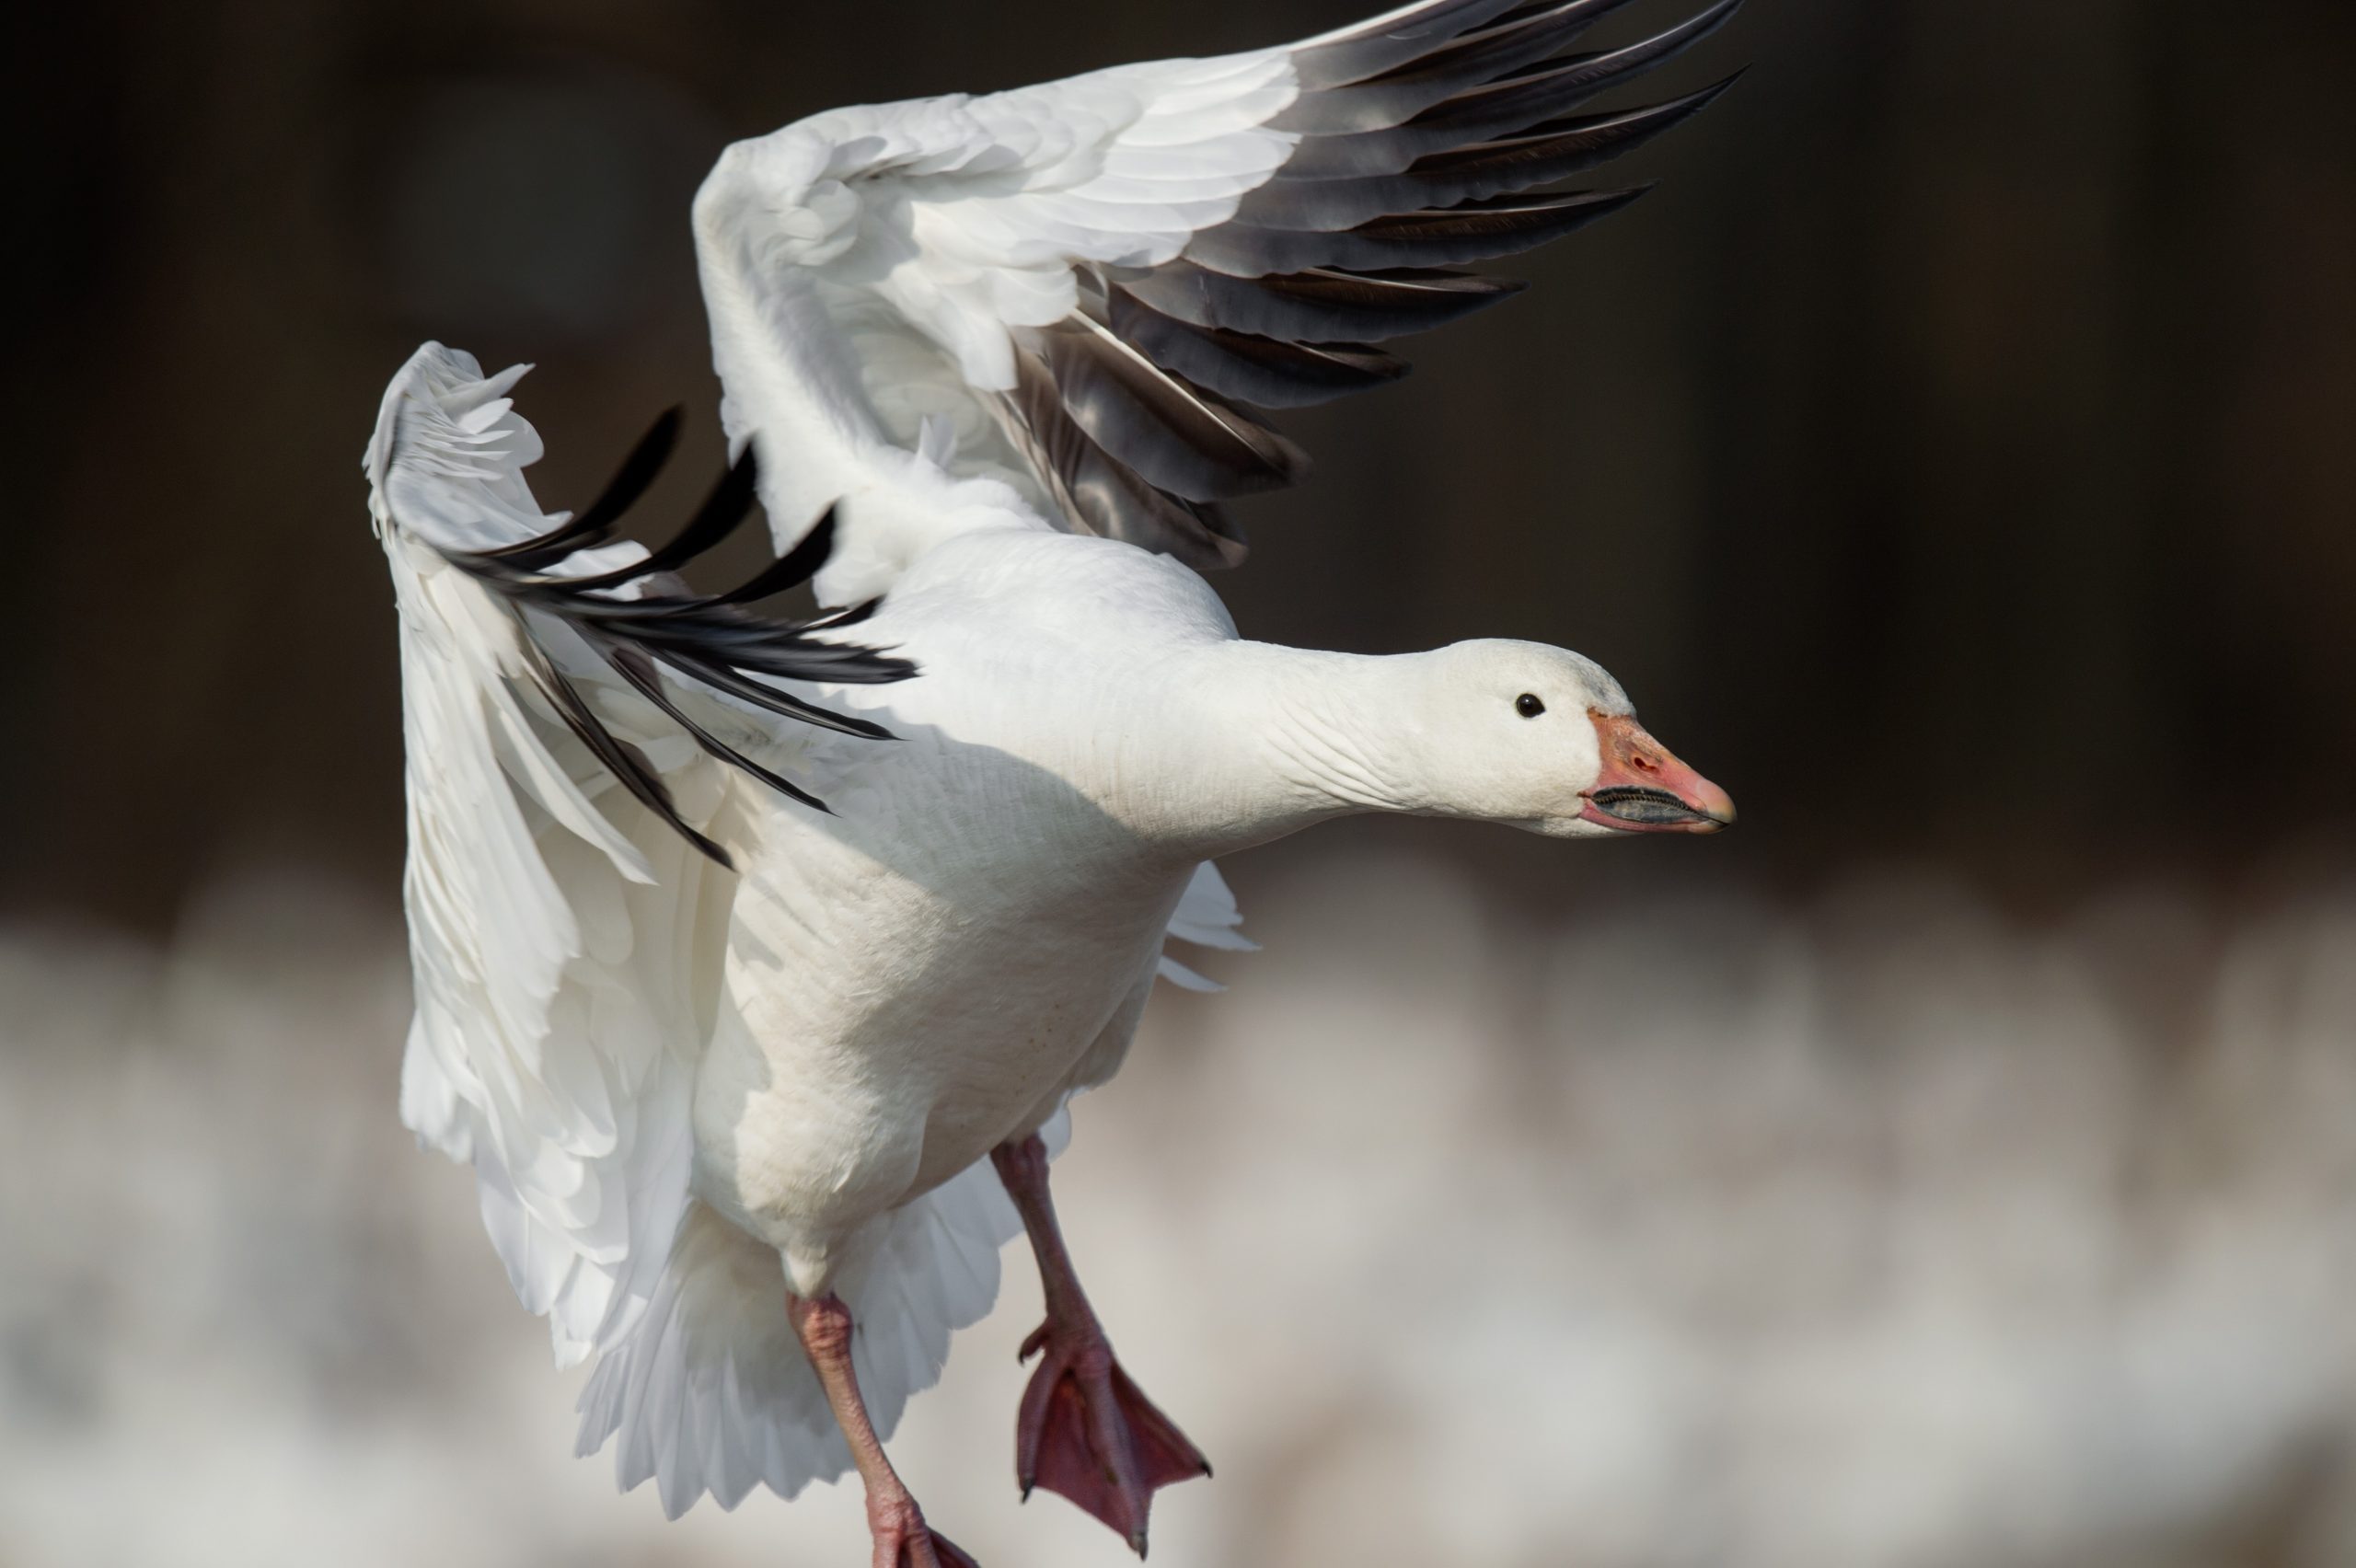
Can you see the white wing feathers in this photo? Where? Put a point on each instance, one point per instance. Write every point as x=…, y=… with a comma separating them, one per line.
x=1087, y=280
x=868, y=267
x=562, y=937
x=865, y=268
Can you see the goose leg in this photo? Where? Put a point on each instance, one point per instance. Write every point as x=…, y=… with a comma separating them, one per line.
x=1084, y=1431
x=894, y=1521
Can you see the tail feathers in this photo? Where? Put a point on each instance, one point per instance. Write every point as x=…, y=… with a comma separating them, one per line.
x=1206, y=916
x=711, y=1391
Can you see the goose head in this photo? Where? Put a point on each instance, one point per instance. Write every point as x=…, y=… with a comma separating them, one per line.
x=1545, y=740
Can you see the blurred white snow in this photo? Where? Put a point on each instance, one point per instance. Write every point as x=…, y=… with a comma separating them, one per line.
x=1874, y=1233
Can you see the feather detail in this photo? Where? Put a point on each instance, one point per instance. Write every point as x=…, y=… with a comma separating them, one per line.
x=1269, y=371
x=1320, y=304
x=1100, y=494
x=711, y=639
x=1175, y=436
x=1551, y=152
x=1394, y=97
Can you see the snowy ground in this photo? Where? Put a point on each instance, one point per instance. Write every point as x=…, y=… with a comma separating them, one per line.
x=1869, y=1234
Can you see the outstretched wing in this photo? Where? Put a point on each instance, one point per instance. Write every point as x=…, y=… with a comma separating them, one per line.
x=1082, y=289
x=567, y=889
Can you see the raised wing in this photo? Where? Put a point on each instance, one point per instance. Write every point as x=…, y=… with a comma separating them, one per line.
x=1082, y=289
x=567, y=897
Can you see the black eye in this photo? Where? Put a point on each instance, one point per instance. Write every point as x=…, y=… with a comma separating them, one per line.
x=1528, y=705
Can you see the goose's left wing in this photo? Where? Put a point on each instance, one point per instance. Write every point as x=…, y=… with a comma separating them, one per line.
x=1081, y=288
x=580, y=734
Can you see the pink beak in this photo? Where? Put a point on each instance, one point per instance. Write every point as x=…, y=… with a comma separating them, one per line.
x=1644, y=787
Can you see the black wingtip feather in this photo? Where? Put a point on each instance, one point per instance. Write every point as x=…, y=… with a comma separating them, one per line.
x=1269, y=371
x=1097, y=492
x=791, y=569
x=621, y=492
x=1516, y=43
x=1470, y=231
x=851, y=617
x=1368, y=50
x=624, y=761
x=1422, y=138
x=1176, y=436
x=1557, y=149
x=709, y=638
x=1319, y=305
x=649, y=684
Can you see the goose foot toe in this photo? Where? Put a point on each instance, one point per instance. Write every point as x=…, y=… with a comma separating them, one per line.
x=932, y=1550
x=903, y=1540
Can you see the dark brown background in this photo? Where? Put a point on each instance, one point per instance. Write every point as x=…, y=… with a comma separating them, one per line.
x=1951, y=456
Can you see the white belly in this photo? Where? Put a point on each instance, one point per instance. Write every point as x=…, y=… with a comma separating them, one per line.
x=884, y=1024
x=915, y=979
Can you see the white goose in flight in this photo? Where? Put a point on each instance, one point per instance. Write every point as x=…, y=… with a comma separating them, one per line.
x=755, y=961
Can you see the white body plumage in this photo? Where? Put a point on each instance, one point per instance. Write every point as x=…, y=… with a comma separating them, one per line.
x=971, y=938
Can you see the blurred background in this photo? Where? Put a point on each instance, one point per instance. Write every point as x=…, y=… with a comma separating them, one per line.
x=1955, y=1165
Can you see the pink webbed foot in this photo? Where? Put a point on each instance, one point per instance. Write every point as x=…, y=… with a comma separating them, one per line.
x=1086, y=1433
x=903, y=1540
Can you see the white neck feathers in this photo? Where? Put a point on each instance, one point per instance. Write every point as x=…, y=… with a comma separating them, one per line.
x=1262, y=740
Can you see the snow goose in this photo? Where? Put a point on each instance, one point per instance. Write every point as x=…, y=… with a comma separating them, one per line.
x=755, y=959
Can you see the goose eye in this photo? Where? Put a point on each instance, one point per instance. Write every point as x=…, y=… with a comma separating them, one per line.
x=1528, y=706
